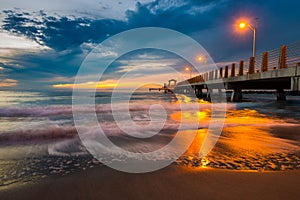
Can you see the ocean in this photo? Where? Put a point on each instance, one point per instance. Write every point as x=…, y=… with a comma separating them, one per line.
x=38, y=137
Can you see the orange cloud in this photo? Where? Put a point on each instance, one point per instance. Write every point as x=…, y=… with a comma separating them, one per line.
x=141, y=82
x=109, y=84
x=8, y=83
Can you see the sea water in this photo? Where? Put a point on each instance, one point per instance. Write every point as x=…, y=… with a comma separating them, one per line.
x=38, y=136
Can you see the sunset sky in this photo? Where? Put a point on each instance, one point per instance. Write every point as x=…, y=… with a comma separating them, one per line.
x=43, y=43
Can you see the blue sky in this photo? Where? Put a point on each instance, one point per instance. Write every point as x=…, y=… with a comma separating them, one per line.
x=43, y=43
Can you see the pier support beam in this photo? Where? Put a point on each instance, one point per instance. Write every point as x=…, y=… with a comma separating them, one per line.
x=200, y=93
x=280, y=94
x=236, y=95
x=208, y=94
x=295, y=84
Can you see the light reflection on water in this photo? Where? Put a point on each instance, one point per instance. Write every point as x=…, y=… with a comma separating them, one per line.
x=16, y=98
x=249, y=141
x=256, y=136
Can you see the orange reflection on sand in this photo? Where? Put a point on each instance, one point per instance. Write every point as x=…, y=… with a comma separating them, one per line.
x=182, y=99
x=246, y=139
x=246, y=117
x=242, y=130
x=191, y=116
x=194, y=148
x=193, y=151
x=249, y=133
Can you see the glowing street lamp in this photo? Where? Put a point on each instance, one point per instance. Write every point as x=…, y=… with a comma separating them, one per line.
x=243, y=25
x=189, y=69
x=201, y=58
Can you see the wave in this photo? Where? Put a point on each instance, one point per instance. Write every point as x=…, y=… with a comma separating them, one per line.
x=58, y=128
x=141, y=130
x=68, y=110
x=38, y=135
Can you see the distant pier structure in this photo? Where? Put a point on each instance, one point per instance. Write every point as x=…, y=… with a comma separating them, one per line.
x=278, y=70
x=167, y=87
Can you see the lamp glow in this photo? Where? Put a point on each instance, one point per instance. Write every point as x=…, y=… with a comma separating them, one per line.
x=242, y=25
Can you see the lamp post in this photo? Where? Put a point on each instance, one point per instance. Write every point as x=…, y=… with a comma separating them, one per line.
x=244, y=25
x=189, y=69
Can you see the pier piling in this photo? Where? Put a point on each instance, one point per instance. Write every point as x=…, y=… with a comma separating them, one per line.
x=280, y=94
x=236, y=95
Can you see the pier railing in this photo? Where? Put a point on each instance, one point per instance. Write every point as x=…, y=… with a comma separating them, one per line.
x=283, y=57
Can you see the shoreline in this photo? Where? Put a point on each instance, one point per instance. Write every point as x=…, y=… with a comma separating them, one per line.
x=173, y=182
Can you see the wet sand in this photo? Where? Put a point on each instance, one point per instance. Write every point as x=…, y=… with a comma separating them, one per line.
x=173, y=182
x=251, y=144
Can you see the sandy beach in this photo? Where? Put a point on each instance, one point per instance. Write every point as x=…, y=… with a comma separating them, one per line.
x=256, y=157
x=173, y=182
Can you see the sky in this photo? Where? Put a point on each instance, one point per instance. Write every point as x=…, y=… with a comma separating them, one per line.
x=43, y=43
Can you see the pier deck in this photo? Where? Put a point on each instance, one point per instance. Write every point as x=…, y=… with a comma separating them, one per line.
x=278, y=69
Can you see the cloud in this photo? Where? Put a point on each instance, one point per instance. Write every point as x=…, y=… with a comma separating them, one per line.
x=60, y=33
x=108, y=84
x=123, y=83
x=172, y=14
x=12, y=47
x=68, y=32
x=145, y=67
x=8, y=83
x=17, y=42
x=57, y=79
x=67, y=38
x=97, y=8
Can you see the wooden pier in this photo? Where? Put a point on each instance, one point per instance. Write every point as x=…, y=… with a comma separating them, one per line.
x=278, y=70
